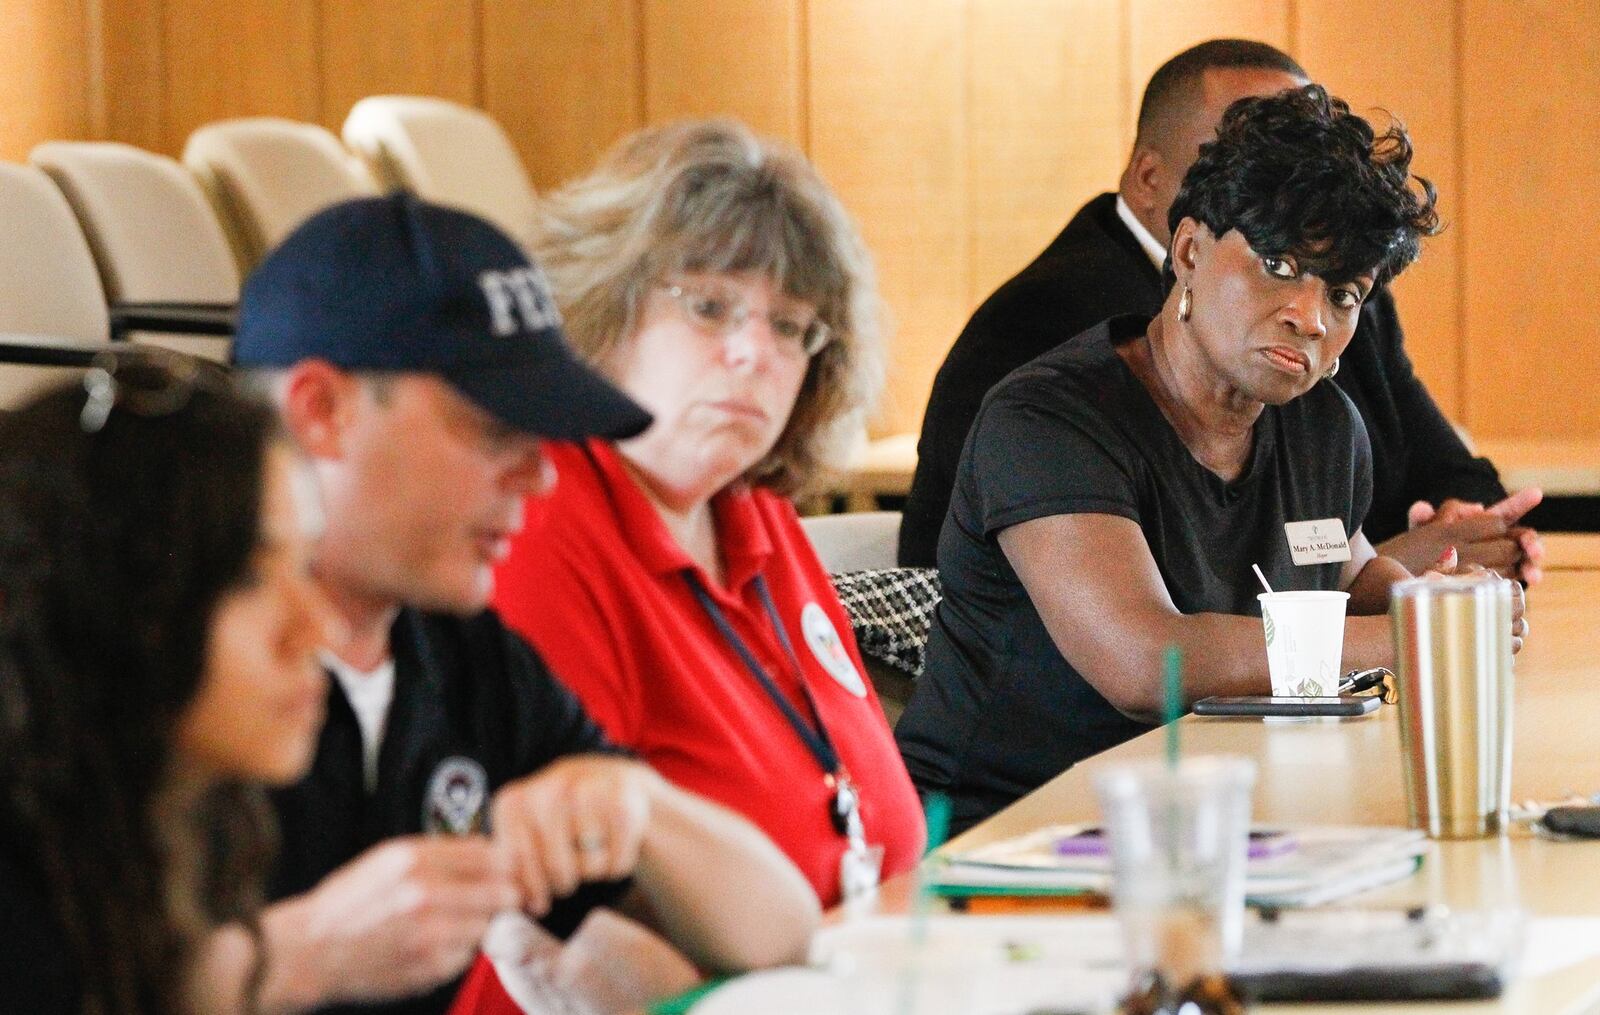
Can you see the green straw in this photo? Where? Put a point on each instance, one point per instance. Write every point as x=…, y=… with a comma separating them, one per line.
x=1173, y=680
x=937, y=814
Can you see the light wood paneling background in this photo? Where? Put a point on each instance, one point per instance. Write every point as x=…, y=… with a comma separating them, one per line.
x=961, y=133
x=563, y=78
x=44, y=74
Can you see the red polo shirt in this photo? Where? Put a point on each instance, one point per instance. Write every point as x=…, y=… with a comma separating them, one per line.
x=598, y=585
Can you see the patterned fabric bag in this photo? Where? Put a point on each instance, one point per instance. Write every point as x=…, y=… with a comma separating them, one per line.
x=890, y=611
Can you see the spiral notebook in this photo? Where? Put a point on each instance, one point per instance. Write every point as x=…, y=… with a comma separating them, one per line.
x=1324, y=862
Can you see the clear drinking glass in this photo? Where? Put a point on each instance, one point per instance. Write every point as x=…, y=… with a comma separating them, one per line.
x=1178, y=838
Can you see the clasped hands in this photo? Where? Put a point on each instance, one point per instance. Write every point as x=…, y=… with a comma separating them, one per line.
x=1450, y=563
x=1484, y=536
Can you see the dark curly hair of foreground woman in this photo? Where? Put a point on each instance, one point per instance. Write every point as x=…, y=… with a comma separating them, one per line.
x=1298, y=174
x=116, y=547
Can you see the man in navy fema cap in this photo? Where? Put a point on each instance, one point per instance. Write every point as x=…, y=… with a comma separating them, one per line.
x=416, y=358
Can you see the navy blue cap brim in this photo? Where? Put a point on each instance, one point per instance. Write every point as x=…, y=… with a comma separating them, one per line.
x=556, y=396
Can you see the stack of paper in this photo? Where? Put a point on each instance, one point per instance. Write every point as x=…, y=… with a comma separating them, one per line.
x=1319, y=864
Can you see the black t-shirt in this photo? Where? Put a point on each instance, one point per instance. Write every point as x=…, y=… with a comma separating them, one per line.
x=464, y=689
x=998, y=711
x=37, y=971
x=1095, y=269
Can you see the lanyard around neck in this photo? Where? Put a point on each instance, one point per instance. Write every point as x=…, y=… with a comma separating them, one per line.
x=815, y=737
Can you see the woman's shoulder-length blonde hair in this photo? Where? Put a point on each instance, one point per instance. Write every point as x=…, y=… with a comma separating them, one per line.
x=711, y=196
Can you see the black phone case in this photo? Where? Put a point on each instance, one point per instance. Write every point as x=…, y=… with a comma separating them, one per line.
x=1260, y=706
x=1583, y=822
x=1459, y=981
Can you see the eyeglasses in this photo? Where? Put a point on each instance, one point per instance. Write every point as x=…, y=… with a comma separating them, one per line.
x=720, y=311
x=146, y=382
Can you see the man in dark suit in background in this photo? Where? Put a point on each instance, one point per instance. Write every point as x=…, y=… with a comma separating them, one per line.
x=1429, y=492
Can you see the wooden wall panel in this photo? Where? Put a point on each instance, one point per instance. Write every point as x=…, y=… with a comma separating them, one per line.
x=44, y=74
x=125, y=45
x=1047, y=94
x=961, y=133
x=565, y=80
x=252, y=59
x=1412, y=76
x=1531, y=154
x=740, y=58
x=1160, y=29
x=397, y=47
x=887, y=129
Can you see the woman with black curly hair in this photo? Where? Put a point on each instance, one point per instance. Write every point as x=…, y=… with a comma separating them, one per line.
x=157, y=638
x=1114, y=492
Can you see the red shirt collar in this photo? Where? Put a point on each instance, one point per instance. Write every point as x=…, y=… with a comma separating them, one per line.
x=741, y=531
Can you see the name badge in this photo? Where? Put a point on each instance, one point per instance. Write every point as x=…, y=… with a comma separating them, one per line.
x=860, y=870
x=1318, y=542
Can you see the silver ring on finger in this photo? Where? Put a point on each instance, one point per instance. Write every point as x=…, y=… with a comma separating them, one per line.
x=592, y=842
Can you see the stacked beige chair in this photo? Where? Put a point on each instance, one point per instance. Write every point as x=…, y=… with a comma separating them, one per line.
x=445, y=153
x=154, y=237
x=855, y=541
x=52, y=308
x=265, y=176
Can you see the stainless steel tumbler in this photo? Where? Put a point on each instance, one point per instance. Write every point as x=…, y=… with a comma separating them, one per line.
x=1452, y=641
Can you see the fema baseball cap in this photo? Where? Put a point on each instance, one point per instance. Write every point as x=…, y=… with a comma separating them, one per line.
x=397, y=284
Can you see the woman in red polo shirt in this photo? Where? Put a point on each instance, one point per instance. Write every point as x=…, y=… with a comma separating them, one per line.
x=714, y=277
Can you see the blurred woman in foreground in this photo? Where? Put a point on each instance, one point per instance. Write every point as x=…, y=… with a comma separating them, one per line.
x=157, y=629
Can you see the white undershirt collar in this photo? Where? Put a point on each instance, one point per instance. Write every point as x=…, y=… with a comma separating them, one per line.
x=370, y=693
x=1152, y=248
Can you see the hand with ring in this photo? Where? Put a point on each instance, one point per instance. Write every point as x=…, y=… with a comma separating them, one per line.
x=579, y=819
x=1450, y=564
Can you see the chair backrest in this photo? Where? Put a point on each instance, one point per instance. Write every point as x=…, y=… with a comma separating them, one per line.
x=265, y=176
x=48, y=281
x=445, y=153
x=153, y=235
x=857, y=541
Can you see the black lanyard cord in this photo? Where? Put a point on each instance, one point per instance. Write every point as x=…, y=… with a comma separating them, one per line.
x=815, y=737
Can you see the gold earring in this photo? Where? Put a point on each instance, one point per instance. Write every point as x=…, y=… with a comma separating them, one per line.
x=1332, y=370
x=1185, y=304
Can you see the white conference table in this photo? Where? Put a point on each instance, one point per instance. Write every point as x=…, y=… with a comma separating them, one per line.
x=1347, y=772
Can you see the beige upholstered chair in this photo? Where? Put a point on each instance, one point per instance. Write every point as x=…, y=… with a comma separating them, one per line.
x=154, y=236
x=445, y=153
x=48, y=283
x=265, y=176
x=856, y=541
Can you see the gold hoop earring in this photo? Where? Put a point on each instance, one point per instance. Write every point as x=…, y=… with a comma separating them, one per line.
x=1332, y=370
x=1185, y=304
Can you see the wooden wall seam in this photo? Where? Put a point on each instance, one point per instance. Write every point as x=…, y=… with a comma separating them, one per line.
x=319, y=66
x=1465, y=409
x=802, y=30
x=641, y=81
x=969, y=170
x=1127, y=86
x=163, y=56
x=93, y=14
x=477, y=53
